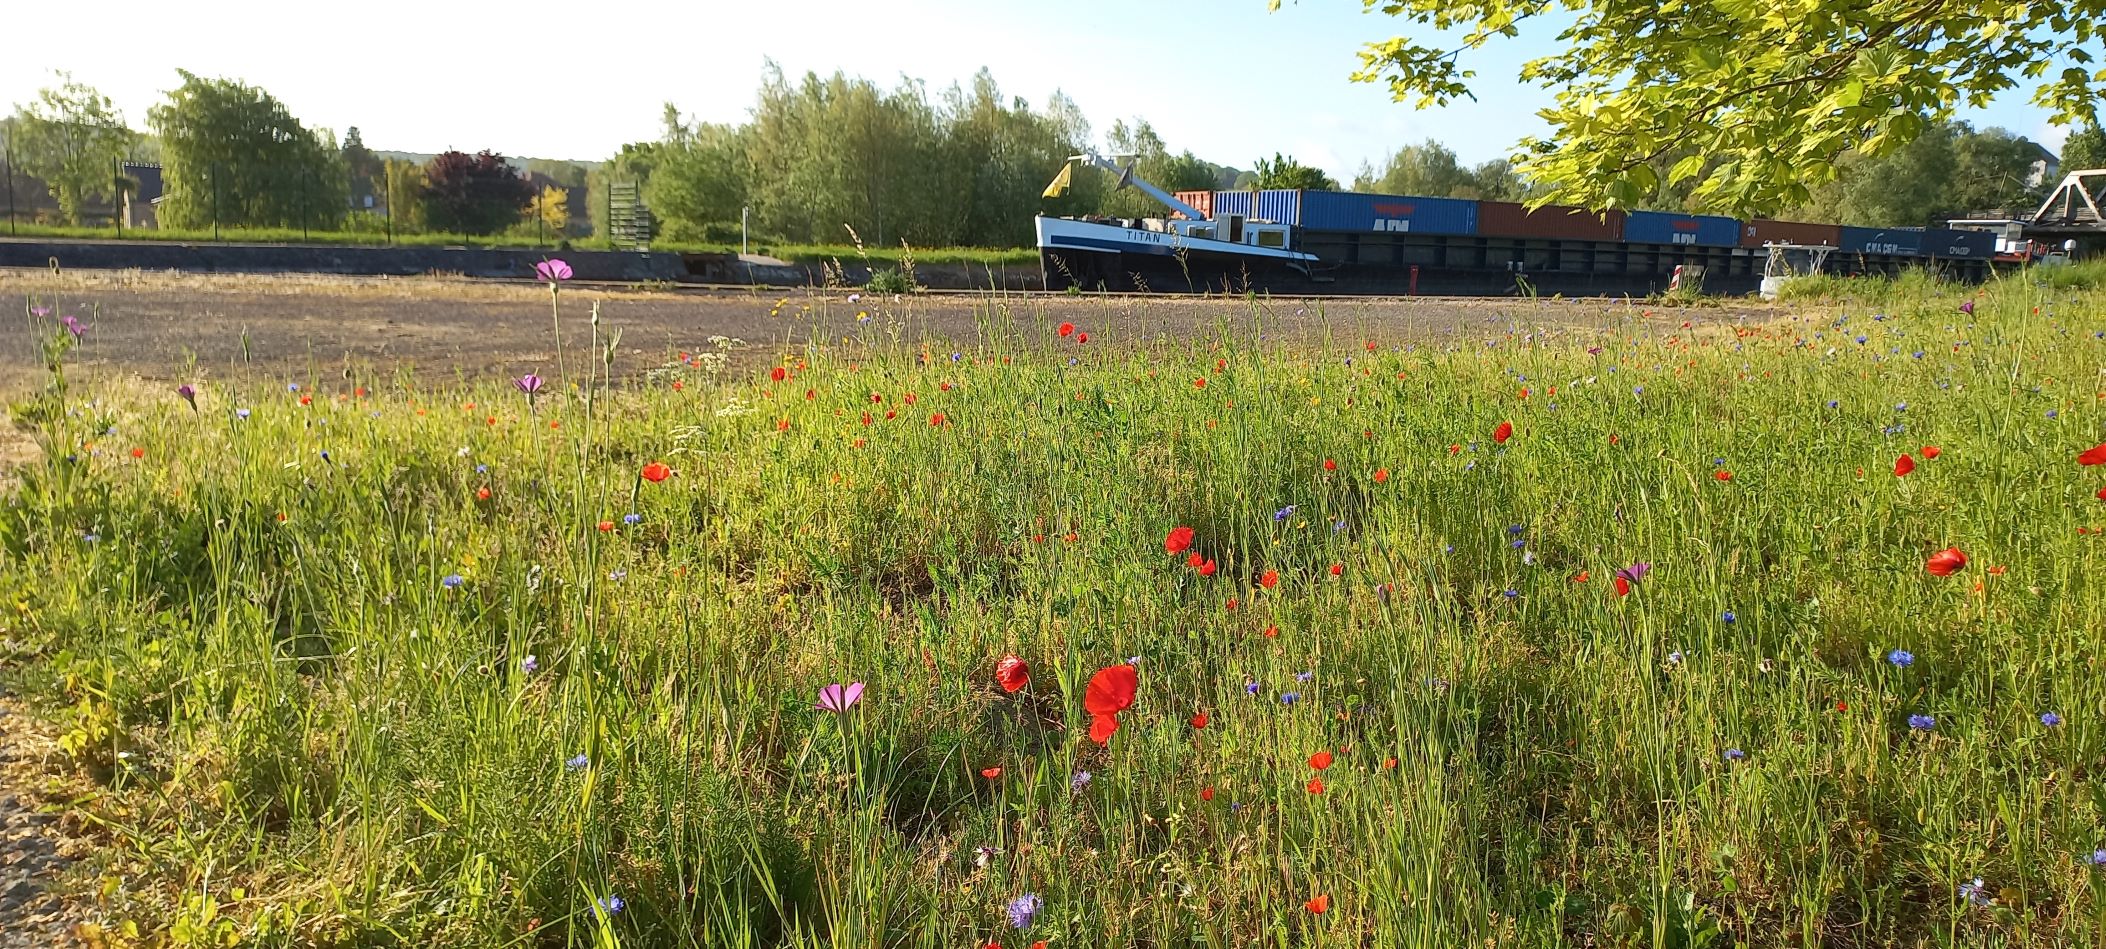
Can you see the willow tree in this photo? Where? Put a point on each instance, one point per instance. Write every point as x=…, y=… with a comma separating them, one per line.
x=1759, y=98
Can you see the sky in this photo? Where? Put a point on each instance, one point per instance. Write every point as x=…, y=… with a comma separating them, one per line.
x=1223, y=78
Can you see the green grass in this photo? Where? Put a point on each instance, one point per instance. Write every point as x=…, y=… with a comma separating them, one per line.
x=796, y=253
x=307, y=738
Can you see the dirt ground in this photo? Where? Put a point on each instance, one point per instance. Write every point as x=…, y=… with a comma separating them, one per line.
x=158, y=326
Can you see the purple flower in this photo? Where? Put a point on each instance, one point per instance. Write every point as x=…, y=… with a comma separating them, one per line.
x=1080, y=781
x=528, y=665
x=1735, y=754
x=2050, y=719
x=611, y=904
x=578, y=763
x=1901, y=658
x=1289, y=698
x=2098, y=857
x=189, y=395
x=1024, y=909
x=1976, y=893
x=74, y=326
x=452, y=581
x=40, y=311
x=1967, y=308
x=1923, y=723
x=552, y=270
x=528, y=384
x=840, y=698
x=1635, y=572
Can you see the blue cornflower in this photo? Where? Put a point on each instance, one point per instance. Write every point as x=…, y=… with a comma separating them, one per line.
x=1901, y=658
x=1674, y=658
x=90, y=538
x=292, y=387
x=482, y=469
x=1283, y=513
x=528, y=665
x=1833, y=403
x=1251, y=687
x=1718, y=462
x=1918, y=354
x=631, y=518
x=241, y=413
x=2098, y=857
x=2050, y=719
x=1729, y=617
x=578, y=763
x=2054, y=413
x=612, y=904
x=452, y=580
x=1976, y=893
x=618, y=575
x=1447, y=548
x=1335, y=528
x=1901, y=406
x=1080, y=781
x=1861, y=339
x=956, y=356
x=1637, y=390
x=1923, y=722
x=1509, y=593
x=1735, y=754
x=1518, y=544
x=1289, y=698
x=1024, y=909
x=1304, y=676
x=1515, y=529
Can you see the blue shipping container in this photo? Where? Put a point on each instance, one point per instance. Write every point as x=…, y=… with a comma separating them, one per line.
x=1891, y=241
x=1389, y=213
x=1279, y=207
x=1959, y=245
x=1701, y=230
x=1232, y=202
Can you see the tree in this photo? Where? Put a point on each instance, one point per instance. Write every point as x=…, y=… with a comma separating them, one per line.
x=403, y=189
x=233, y=155
x=473, y=194
x=551, y=209
x=1766, y=97
x=2086, y=149
x=1285, y=172
x=1990, y=168
x=700, y=179
x=1428, y=168
x=362, y=166
x=73, y=139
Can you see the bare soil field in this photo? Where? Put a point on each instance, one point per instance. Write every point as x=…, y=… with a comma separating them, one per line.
x=161, y=326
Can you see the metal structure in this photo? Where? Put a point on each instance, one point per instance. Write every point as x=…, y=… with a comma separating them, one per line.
x=630, y=225
x=2073, y=207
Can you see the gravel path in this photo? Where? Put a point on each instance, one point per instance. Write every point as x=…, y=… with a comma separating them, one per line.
x=31, y=845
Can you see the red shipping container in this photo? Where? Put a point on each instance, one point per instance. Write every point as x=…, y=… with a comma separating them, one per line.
x=1758, y=232
x=1549, y=222
x=1202, y=201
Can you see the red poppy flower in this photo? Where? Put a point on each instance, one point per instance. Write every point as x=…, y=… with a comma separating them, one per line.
x=990, y=773
x=606, y=526
x=307, y=400
x=1503, y=432
x=1273, y=631
x=1330, y=464
x=1320, y=761
x=1199, y=383
x=1110, y=692
x=778, y=373
x=1179, y=540
x=1200, y=720
x=1932, y=451
x=656, y=471
x=1082, y=337
x=1390, y=763
x=1232, y=603
x=1195, y=561
x=1623, y=587
x=1842, y=706
x=1946, y=562
x=1337, y=568
x=1207, y=569
x=1206, y=794
x=1903, y=465
x=1067, y=329
x=482, y=494
x=890, y=415
x=1381, y=475
x=138, y=452
x=2102, y=494
x=1722, y=475
x=1316, y=785
x=908, y=398
x=866, y=418
x=2095, y=456
x=1318, y=904
x=1454, y=449
x=1581, y=577
x=1012, y=673
x=1269, y=579
x=1102, y=727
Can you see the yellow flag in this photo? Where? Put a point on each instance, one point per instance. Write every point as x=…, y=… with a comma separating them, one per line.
x=1060, y=182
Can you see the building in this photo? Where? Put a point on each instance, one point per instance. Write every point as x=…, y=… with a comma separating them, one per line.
x=2045, y=168
x=140, y=201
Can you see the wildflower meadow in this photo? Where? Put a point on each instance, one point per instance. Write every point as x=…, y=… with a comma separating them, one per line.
x=1773, y=631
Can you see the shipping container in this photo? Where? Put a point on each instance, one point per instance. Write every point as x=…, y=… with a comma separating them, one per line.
x=1891, y=241
x=1550, y=222
x=1700, y=230
x=1761, y=231
x=1278, y=206
x=1231, y=202
x=1959, y=245
x=1201, y=201
x=1348, y=211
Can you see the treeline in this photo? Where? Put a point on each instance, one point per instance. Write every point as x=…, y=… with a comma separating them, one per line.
x=829, y=159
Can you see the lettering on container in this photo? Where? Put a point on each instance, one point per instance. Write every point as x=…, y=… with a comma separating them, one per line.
x=1393, y=217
